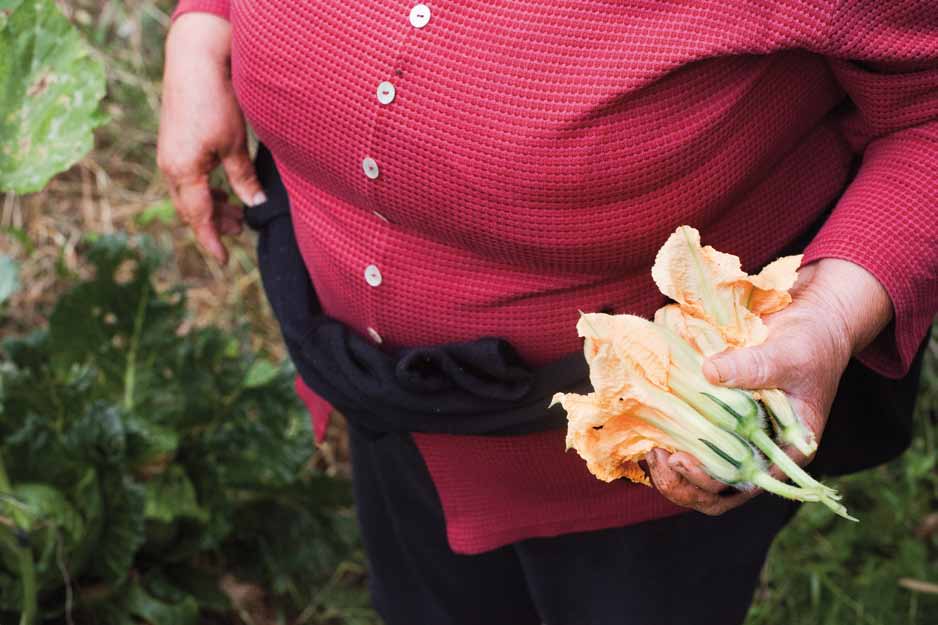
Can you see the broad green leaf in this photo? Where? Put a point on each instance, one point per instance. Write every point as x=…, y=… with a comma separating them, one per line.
x=6, y=9
x=50, y=88
x=158, y=611
x=9, y=277
x=57, y=529
x=150, y=446
x=123, y=531
x=33, y=451
x=98, y=437
x=261, y=373
x=170, y=496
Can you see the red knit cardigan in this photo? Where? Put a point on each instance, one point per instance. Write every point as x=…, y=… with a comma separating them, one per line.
x=464, y=169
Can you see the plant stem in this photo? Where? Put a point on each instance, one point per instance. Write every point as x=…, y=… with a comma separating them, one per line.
x=784, y=462
x=789, y=427
x=24, y=554
x=130, y=374
x=767, y=482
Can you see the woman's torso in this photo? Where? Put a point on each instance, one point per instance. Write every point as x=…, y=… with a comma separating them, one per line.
x=535, y=154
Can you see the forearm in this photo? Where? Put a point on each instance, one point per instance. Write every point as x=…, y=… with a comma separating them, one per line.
x=221, y=8
x=200, y=36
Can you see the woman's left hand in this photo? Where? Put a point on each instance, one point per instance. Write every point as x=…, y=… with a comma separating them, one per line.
x=837, y=309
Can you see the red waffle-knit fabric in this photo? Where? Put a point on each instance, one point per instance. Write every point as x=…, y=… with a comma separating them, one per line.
x=538, y=152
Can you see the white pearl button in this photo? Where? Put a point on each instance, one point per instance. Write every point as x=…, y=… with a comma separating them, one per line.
x=370, y=167
x=374, y=335
x=419, y=15
x=385, y=92
x=372, y=275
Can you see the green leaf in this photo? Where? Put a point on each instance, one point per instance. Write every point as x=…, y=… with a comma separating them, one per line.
x=162, y=211
x=158, y=611
x=9, y=277
x=123, y=531
x=150, y=446
x=54, y=521
x=261, y=373
x=98, y=437
x=6, y=8
x=35, y=452
x=49, y=97
x=170, y=496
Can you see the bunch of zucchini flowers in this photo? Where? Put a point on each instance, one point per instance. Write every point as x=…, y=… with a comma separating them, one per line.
x=649, y=389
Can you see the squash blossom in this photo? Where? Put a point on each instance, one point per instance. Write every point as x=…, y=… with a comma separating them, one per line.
x=648, y=385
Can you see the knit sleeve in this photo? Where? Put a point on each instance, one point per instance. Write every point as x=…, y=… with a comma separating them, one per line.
x=215, y=7
x=885, y=56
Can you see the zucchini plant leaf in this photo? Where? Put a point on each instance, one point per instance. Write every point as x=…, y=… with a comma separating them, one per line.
x=50, y=88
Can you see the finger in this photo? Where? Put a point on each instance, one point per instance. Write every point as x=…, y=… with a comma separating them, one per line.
x=242, y=177
x=725, y=504
x=749, y=367
x=691, y=470
x=194, y=202
x=673, y=486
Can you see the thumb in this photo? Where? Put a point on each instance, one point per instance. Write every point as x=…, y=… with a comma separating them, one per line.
x=748, y=367
x=243, y=179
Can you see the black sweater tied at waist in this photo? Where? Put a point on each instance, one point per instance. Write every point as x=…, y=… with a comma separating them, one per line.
x=482, y=387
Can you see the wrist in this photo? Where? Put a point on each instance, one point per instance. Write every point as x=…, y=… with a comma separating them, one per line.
x=857, y=304
x=199, y=36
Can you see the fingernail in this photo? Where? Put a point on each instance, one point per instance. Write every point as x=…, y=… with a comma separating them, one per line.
x=717, y=371
x=259, y=198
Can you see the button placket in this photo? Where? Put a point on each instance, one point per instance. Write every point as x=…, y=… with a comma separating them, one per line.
x=386, y=93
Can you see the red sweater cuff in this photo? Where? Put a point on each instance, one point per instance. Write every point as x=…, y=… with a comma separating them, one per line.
x=885, y=222
x=215, y=7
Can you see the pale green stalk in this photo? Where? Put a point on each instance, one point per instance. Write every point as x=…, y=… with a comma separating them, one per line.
x=724, y=455
x=789, y=428
x=736, y=411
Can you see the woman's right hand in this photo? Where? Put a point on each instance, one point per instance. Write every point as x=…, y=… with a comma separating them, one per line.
x=201, y=126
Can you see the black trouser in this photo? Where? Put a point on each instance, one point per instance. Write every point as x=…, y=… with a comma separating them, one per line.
x=681, y=570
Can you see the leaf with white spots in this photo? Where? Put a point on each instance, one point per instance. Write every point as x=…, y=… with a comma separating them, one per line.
x=50, y=88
